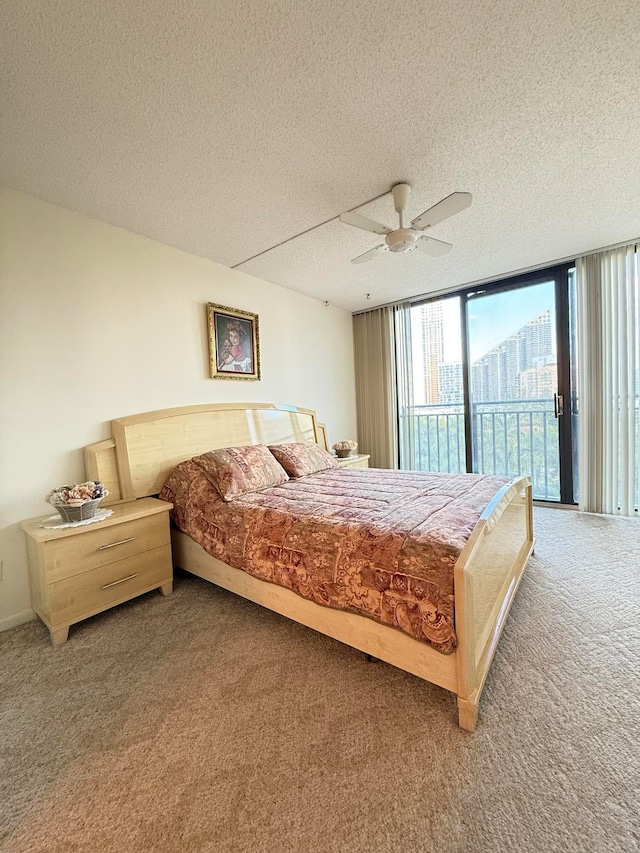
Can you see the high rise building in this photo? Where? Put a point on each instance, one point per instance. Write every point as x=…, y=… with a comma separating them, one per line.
x=539, y=382
x=450, y=384
x=497, y=374
x=431, y=326
x=522, y=366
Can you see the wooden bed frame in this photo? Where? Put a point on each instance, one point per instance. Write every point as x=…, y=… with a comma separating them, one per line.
x=145, y=448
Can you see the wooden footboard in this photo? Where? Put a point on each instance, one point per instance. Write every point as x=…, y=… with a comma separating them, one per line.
x=486, y=578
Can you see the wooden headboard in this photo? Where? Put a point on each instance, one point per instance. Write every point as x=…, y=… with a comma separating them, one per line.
x=145, y=448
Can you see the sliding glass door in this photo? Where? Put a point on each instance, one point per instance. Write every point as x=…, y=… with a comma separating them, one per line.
x=492, y=383
x=513, y=393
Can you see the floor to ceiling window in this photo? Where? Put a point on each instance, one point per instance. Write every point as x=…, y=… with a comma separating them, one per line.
x=438, y=396
x=515, y=413
x=492, y=383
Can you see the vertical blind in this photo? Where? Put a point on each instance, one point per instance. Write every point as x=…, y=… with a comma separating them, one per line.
x=404, y=371
x=375, y=366
x=608, y=298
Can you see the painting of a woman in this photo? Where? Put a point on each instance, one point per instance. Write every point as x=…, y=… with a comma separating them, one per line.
x=234, y=354
x=233, y=343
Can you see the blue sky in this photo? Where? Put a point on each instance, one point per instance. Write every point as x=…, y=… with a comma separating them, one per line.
x=493, y=318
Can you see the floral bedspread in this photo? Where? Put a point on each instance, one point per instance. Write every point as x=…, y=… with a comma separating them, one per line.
x=375, y=542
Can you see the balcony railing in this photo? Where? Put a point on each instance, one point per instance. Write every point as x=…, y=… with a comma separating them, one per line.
x=510, y=438
x=438, y=433
x=519, y=437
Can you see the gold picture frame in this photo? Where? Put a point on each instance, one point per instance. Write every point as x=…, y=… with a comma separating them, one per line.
x=234, y=343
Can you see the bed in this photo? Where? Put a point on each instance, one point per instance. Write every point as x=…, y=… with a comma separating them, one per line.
x=145, y=449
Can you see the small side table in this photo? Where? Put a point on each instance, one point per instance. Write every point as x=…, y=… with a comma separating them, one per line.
x=359, y=461
x=77, y=572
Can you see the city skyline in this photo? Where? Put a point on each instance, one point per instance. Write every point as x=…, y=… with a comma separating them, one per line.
x=523, y=361
x=516, y=364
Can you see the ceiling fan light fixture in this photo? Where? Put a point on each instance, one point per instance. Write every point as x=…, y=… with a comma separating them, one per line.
x=402, y=240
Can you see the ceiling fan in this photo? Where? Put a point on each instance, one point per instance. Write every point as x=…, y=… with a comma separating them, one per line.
x=404, y=239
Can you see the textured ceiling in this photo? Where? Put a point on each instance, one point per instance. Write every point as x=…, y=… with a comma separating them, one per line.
x=225, y=128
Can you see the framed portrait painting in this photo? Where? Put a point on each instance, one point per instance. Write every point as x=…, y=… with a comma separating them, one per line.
x=234, y=343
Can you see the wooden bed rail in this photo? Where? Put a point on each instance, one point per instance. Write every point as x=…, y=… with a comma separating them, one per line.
x=486, y=578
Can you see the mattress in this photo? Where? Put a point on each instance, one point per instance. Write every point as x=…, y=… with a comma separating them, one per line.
x=375, y=542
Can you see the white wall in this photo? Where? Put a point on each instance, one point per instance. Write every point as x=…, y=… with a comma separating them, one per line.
x=97, y=323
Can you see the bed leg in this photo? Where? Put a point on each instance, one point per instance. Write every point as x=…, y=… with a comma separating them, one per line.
x=467, y=714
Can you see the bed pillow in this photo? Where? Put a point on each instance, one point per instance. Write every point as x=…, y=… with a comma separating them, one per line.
x=301, y=458
x=235, y=471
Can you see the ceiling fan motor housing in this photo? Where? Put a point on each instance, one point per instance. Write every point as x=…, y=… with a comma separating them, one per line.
x=402, y=240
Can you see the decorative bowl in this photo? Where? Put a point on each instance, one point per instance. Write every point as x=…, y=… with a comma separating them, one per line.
x=79, y=512
x=343, y=453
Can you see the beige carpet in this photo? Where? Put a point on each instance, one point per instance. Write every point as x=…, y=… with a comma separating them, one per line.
x=200, y=722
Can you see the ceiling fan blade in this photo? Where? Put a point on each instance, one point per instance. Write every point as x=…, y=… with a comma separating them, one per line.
x=449, y=206
x=359, y=221
x=433, y=247
x=370, y=255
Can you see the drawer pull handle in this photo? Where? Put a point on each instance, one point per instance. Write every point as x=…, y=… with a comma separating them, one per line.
x=122, y=580
x=113, y=544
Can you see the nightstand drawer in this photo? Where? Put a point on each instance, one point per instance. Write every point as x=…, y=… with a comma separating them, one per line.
x=77, y=597
x=65, y=558
x=359, y=461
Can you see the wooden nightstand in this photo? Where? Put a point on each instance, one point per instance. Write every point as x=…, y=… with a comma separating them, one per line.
x=77, y=572
x=360, y=461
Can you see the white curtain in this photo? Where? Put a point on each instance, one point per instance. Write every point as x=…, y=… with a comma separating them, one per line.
x=404, y=368
x=608, y=296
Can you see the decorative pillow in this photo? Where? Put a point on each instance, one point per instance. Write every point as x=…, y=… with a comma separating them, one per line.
x=301, y=458
x=235, y=471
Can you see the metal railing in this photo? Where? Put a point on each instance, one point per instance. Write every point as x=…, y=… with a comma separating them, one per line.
x=438, y=437
x=518, y=437
x=510, y=438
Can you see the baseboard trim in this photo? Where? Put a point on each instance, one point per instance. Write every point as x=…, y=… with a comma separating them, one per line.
x=16, y=619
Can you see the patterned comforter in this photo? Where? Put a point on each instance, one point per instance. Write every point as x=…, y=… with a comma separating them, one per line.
x=379, y=543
